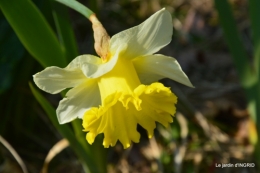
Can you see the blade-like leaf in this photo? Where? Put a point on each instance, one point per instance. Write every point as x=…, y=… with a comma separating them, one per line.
x=11, y=53
x=248, y=74
x=77, y=7
x=227, y=21
x=65, y=31
x=254, y=6
x=33, y=31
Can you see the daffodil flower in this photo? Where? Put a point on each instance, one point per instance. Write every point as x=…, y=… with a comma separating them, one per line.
x=115, y=95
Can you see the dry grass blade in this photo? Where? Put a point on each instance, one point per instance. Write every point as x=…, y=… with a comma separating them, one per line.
x=203, y=123
x=210, y=130
x=14, y=153
x=181, y=150
x=156, y=154
x=56, y=149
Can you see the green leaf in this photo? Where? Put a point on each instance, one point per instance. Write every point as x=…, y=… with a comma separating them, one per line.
x=11, y=54
x=248, y=74
x=65, y=31
x=33, y=31
x=254, y=6
x=66, y=132
x=77, y=7
x=227, y=21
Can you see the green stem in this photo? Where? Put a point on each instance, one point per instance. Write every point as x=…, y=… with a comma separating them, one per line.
x=96, y=151
x=65, y=131
x=64, y=30
x=77, y=7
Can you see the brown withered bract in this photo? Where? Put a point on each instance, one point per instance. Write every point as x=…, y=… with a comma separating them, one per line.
x=101, y=38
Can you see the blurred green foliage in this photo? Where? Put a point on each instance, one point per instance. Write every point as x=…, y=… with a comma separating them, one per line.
x=11, y=53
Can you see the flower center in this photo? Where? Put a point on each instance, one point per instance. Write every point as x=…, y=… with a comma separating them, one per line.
x=122, y=78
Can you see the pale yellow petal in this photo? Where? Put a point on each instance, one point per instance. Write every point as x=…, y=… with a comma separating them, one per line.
x=54, y=79
x=146, y=38
x=83, y=59
x=152, y=68
x=78, y=100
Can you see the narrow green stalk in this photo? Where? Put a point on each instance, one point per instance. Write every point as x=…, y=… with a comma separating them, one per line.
x=77, y=7
x=65, y=31
x=66, y=132
x=96, y=151
x=80, y=135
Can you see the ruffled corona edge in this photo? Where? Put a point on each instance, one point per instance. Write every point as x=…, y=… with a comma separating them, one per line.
x=120, y=113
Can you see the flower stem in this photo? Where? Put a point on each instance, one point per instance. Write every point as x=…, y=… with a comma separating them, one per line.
x=78, y=7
